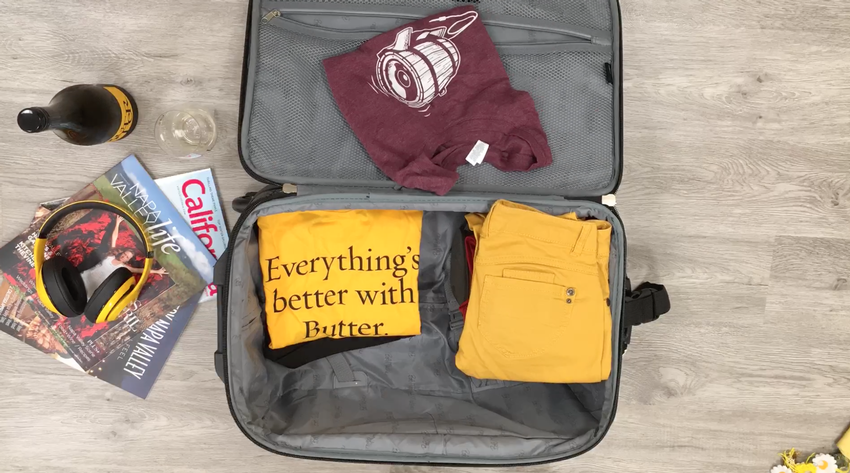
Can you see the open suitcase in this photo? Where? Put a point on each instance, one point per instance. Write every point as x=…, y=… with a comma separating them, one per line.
x=406, y=402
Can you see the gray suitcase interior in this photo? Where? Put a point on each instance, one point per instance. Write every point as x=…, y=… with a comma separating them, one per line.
x=410, y=403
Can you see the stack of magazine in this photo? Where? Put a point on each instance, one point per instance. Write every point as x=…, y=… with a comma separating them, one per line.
x=182, y=215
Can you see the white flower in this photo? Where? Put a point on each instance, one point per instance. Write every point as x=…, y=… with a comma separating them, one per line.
x=825, y=463
x=781, y=469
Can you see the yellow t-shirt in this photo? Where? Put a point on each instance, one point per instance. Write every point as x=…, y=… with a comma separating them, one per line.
x=340, y=273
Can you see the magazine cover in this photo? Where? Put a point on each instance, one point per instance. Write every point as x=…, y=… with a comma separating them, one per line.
x=135, y=366
x=97, y=242
x=195, y=196
x=19, y=319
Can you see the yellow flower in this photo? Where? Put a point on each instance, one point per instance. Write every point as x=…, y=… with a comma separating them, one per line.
x=824, y=463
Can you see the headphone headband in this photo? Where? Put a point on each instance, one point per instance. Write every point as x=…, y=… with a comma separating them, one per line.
x=62, y=212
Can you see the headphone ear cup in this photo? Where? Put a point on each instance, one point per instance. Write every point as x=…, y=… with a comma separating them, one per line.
x=64, y=286
x=105, y=291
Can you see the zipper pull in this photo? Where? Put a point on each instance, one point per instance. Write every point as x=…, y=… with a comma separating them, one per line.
x=270, y=15
x=609, y=200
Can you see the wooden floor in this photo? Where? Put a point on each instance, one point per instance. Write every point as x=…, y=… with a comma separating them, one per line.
x=736, y=195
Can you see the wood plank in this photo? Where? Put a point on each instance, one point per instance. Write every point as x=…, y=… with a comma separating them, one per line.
x=736, y=194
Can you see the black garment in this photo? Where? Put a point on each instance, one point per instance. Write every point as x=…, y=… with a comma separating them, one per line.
x=295, y=356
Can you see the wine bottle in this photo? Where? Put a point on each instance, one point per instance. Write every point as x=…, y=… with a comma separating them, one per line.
x=84, y=115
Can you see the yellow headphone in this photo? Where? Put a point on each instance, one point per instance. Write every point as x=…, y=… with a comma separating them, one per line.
x=60, y=285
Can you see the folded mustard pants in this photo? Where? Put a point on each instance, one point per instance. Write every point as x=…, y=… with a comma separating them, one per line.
x=538, y=307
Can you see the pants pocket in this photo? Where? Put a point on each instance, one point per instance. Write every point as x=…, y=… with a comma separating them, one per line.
x=521, y=318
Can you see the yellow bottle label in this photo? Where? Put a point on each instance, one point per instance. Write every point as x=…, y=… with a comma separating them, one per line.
x=127, y=116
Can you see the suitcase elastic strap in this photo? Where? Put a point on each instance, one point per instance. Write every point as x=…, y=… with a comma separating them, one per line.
x=455, y=316
x=344, y=376
x=342, y=370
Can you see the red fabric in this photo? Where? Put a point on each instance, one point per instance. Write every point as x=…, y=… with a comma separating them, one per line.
x=420, y=96
x=469, y=246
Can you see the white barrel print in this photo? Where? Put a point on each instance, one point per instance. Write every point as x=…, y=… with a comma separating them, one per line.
x=419, y=65
x=417, y=75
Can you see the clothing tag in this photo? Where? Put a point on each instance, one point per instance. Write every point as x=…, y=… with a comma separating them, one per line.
x=476, y=155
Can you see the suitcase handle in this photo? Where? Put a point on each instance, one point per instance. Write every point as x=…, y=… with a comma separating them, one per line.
x=645, y=304
x=219, y=279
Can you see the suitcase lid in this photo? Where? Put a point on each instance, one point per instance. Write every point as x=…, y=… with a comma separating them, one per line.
x=565, y=53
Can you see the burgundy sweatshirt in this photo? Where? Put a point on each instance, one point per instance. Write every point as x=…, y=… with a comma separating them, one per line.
x=419, y=97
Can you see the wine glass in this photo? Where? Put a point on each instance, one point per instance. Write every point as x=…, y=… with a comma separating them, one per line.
x=186, y=133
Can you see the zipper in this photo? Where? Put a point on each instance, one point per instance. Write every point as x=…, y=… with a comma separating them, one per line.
x=585, y=38
x=619, y=58
x=272, y=14
x=224, y=290
x=246, y=56
x=509, y=36
x=277, y=15
x=566, y=33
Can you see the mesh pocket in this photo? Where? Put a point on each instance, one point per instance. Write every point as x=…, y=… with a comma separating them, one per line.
x=297, y=131
x=576, y=108
x=296, y=127
x=587, y=13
